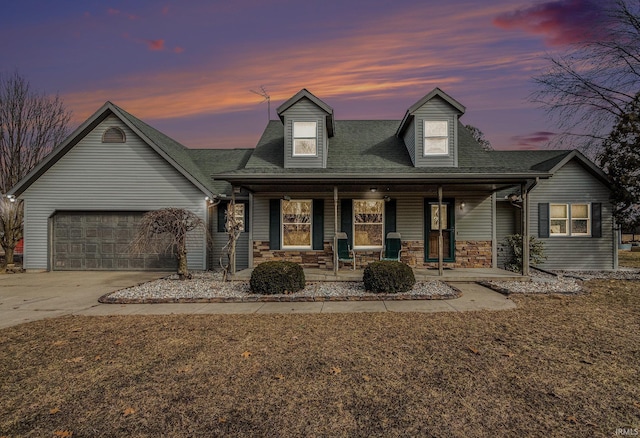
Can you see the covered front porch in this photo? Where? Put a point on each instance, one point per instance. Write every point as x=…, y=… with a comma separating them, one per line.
x=464, y=275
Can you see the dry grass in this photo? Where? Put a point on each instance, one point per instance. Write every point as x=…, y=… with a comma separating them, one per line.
x=556, y=366
x=629, y=259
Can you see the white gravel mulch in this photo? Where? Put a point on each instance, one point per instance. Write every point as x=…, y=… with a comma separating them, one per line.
x=564, y=282
x=209, y=286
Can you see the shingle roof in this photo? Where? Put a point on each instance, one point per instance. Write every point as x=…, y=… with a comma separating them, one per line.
x=220, y=160
x=371, y=146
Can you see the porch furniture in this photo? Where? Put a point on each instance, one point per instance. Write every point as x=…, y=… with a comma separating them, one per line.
x=344, y=251
x=392, y=247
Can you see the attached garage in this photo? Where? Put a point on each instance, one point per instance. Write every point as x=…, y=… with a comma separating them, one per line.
x=101, y=241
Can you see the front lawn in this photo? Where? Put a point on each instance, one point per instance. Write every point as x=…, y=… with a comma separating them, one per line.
x=629, y=259
x=555, y=366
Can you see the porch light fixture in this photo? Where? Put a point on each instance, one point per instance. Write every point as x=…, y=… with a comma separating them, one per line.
x=286, y=198
x=462, y=205
x=11, y=198
x=373, y=189
x=386, y=198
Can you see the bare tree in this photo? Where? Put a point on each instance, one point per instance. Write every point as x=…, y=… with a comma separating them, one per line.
x=588, y=89
x=478, y=135
x=31, y=124
x=165, y=231
x=233, y=227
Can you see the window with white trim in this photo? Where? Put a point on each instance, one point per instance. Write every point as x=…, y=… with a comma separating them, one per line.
x=305, y=136
x=436, y=137
x=368, y=223
x=296, y=223
x=570, y=219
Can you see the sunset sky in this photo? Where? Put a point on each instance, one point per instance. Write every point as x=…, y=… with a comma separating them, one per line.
x=187, y=68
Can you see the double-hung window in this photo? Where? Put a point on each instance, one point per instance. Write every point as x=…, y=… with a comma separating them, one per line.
x=296, y=223
x=570, y=220
x=436, y=137
x=368, y=223
x=305, y=142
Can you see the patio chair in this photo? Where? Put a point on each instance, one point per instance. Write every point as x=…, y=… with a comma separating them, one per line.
x=344, y=251
x=392, y=247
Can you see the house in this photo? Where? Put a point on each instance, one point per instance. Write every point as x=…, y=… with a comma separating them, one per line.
x=312, y=175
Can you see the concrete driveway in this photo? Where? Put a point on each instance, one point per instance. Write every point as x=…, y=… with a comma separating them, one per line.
x=32, y=296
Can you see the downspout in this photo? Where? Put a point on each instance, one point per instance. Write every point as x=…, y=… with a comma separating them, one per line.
x=525, y=226
x=440, y=238
x=335, y=231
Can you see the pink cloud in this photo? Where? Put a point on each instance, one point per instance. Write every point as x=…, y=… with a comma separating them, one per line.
x=178, y=49
x=533, y=140
x=112, y=11
x=560, y=22
x=165, y=10
x=155, y=45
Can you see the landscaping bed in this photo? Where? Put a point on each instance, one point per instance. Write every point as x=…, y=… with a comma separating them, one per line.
x=208, y=287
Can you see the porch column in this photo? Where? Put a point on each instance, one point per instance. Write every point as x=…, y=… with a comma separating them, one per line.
x=232, y=260
x=335, y=230
x=525, y=229
x=440, y=238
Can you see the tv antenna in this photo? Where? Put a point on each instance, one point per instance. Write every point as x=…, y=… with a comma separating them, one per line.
x=263, y=93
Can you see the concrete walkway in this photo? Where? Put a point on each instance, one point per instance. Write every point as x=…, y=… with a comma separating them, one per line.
x=34, y=296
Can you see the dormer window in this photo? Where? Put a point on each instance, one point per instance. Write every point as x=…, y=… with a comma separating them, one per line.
x=113, y=135
x=436, y=137
x=305, y=139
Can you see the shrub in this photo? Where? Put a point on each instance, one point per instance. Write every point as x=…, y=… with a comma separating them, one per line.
x=388, y=277
x=277, y=278
x=514, y=245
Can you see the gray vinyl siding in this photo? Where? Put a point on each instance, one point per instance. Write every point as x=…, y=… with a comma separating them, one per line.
x=409, y=138
x=505, y=225
x=305, y=111
x=261, y=213
x=574, y=184
x=436, y=110
x=96, y=176
x=472, y=223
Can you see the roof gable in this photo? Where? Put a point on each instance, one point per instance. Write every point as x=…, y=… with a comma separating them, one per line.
x=172, y=151
x=436, y=92
x=306, y=94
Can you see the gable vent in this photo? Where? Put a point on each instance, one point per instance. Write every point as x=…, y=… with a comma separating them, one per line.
x=113, y=135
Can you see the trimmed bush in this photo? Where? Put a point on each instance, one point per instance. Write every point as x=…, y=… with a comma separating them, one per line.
x=277, y=278
x=388, y=277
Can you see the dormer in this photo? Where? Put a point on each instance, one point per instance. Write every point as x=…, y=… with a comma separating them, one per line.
x=430, y=130
x=308, y=125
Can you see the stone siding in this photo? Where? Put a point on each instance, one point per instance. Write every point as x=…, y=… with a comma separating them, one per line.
x=322, y=259
x=469, y=254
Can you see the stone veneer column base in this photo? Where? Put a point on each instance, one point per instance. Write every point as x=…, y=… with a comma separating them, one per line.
x=469, y=254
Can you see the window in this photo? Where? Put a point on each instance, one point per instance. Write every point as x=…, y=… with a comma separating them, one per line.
x=368, y=223
x=238, y=214
x=570, y=220
x=559, y=217
x=436, y=137
x=304, y=139
x=296, y=224
x=580, y=220
x=435, y=217
x=113, y=135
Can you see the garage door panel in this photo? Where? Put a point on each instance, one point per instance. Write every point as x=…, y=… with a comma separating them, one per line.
x=101, y=241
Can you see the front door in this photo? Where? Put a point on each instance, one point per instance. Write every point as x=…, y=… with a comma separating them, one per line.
x=432, y=224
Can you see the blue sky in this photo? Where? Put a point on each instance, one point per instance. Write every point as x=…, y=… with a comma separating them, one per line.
x=187, y=68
